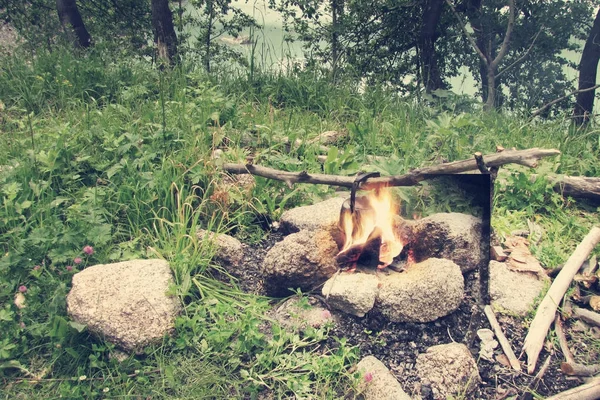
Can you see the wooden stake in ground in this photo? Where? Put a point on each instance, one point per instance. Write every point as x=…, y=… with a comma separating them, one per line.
x=514, y=362
x=547, y=309
x=527, y=158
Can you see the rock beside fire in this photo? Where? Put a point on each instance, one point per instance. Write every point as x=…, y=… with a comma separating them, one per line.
x=230, y=251
x=311, y=217
x=454, y=236
x=449, y=370
x=125, y=303
x=378, y=382
x=514, y=291
x=353, y=293
x=301, y=260
x=424, y=292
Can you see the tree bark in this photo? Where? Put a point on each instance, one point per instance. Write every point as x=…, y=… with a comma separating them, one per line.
x=208, y=36
x=165, y=37
x=68, y=13
x=430, y=73
x=588, y=66
x=337, y=7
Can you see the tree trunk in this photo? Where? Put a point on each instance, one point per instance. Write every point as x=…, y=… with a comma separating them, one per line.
x=208, y=37
x=473, y=10
x=68, y=13
x=588, y=66
x=165, y=38
x=431, y=75
x=490, y=101
x=335, y=42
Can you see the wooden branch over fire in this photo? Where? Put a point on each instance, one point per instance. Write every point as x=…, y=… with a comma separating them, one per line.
x=527, y=158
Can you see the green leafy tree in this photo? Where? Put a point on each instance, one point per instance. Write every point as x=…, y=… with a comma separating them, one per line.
x=215, y=19
x=38, y=21
x=531, y=69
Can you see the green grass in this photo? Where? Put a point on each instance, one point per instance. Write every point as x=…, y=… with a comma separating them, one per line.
x=112, y=153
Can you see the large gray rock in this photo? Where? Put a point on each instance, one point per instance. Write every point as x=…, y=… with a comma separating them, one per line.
x=424, y=292
x=312, y=217
x=514, y=291
x=378, y=382
x=229, y=250
x=353, y=293
x=302, y=260
x=454, y=236
x=125, y=303
x=449, y=369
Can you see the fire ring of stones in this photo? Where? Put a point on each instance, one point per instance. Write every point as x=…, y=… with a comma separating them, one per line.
x=413, y=275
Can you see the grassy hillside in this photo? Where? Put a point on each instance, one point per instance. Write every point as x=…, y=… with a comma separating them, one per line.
x=112, y=153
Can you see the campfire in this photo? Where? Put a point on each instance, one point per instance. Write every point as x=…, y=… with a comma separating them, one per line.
x=367, y=227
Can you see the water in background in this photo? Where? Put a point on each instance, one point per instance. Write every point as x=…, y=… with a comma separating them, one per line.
x=275, y=52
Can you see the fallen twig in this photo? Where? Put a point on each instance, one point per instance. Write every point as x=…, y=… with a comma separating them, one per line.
x=589, y=391
x=527, y=157
x=586, y=315
x=562, y=340
x=547, y=309
x=575, y=369
x=570, y=367
x=512, y=358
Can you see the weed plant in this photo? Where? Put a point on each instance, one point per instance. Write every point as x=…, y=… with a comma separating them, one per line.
x=105, y=158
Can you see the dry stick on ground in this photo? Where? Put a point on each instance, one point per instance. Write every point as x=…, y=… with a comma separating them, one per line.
x=514, y=362
x=586, y=315
x=576, y=186
x=527, y=157
x=570, y=367
x=547, y=309
x=589, y=391
x=562, y=340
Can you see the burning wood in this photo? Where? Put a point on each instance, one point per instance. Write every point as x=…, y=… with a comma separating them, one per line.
x=368, y=230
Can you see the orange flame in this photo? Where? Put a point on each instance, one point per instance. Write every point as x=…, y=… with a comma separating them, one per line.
x=379, y=213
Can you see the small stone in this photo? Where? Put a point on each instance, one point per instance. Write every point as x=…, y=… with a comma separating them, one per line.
x=453, y=236
x=302, y=260
x=229, y=251
x=353, y=293
x=449, y=369
x=485, y=335
x=424, y=292
x=512, y=290
x=312, y=217
x=381, y=384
